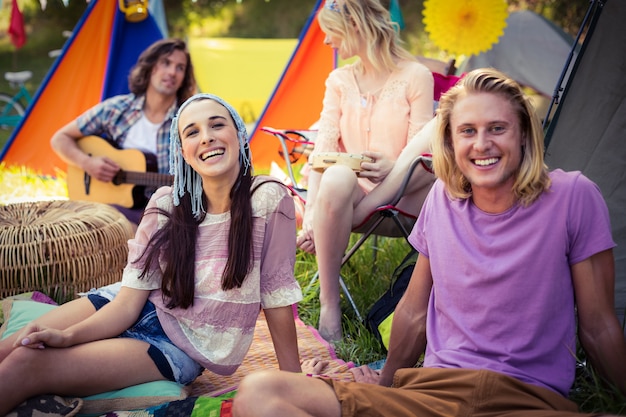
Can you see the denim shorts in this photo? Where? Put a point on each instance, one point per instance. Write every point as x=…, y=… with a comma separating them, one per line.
x=171, y=361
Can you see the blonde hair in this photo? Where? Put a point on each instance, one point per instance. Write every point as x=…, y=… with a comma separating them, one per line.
x=532, y=176
x=369, y=21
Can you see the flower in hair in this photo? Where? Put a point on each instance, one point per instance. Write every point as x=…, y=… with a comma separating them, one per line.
x=332, y=5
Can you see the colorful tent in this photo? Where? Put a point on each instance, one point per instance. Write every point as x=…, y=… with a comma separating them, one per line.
x=93, y=65
x=296, y=102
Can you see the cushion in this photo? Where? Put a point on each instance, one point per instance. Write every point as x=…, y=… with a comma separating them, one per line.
x=133, y=398
x=34, y=295
x=18, y=312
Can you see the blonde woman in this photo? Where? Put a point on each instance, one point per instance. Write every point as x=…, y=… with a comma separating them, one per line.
x=372, y=107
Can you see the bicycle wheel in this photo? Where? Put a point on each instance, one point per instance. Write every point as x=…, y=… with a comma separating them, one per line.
x=11, y=112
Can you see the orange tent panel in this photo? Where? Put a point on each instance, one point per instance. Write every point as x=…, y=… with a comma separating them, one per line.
x=82, y=67
x=297, y=99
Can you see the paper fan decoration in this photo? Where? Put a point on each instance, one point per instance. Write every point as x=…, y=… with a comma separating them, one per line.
x=465, y=27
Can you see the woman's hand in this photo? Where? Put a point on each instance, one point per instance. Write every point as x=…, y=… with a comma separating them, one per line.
x=304, y=240
x=379, y=169
x=38, y=337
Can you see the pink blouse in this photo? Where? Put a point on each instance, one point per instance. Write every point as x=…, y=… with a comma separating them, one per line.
x=382, y=122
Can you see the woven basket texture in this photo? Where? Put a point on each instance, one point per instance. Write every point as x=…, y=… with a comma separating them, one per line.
x=61, y=247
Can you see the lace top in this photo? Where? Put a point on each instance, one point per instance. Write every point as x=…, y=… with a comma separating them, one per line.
x=384, y=122
x=217, y=329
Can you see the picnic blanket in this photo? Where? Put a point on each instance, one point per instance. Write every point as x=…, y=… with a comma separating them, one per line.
x=209, y=394
x=261, y=356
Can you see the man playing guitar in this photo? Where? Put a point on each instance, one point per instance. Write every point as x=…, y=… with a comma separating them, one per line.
x=159, y=82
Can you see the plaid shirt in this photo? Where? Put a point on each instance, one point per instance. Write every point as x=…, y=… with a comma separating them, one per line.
x=112, y=119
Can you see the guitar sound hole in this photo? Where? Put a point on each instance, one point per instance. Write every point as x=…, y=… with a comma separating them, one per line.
x=118, y=178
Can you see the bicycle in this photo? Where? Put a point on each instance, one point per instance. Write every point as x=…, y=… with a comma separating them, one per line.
x=13, y=107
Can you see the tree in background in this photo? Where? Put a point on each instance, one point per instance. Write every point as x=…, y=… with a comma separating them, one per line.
x=568, y=14
x=228, y=18
x=267, y=18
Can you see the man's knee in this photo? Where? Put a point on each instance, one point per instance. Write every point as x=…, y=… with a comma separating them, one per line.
x=255, y=390
x=255, y=382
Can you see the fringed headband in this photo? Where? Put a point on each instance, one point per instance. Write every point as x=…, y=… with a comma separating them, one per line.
x=185, y=178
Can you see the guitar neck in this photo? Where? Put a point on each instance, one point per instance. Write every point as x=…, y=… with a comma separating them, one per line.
x=153, y=179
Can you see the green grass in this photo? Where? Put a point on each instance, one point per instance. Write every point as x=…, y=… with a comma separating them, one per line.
x=368, y=277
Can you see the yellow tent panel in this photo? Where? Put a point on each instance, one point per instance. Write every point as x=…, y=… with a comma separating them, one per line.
x=241, y=71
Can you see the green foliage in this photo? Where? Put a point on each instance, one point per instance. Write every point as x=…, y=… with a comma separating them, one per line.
x=359, y=346
x=566, y=14
x=56, y=13
x=271, y=19
x=33, y=56
x=592, y=394
x=367, y=276
x=240, y=19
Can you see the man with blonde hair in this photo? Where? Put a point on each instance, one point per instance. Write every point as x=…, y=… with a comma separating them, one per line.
x=515, y=262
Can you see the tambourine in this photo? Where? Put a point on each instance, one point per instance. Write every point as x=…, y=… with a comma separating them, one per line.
x=323, y=160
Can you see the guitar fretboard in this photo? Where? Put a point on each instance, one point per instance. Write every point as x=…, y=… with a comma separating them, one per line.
x=153, y=179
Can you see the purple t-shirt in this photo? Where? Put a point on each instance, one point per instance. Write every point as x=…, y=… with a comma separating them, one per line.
x=502, y=296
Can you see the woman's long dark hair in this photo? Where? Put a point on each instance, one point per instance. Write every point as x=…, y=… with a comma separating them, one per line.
x=175, y=243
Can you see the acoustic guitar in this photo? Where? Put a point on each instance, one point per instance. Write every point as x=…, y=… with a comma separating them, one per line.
x=128, y=188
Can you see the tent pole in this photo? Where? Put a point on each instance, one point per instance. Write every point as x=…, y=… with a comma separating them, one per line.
x=559, y=85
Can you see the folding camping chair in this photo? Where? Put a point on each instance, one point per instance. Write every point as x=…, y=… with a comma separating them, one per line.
x=370, y=227
x=294, y=144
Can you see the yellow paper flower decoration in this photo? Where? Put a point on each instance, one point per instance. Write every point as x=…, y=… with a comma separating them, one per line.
x=465, y=27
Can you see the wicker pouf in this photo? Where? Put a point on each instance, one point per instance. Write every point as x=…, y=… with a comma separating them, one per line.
x=61, y=247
